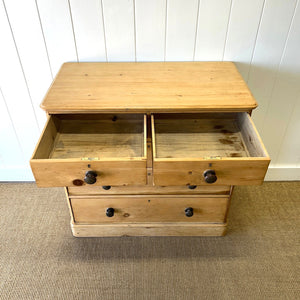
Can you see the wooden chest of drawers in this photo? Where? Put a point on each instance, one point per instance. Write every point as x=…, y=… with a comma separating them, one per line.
x=149, y=148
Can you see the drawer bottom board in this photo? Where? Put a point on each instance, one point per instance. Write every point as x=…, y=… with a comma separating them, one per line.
x=148, y=229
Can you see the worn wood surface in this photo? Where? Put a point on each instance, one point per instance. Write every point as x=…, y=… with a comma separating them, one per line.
x=93, y=136
x=101, y=138
x=149, y=229
x=149, y=208
x=69, y=204
x=241, y=171
x=46, y=140
x=148, y=87
x=187, y=145
x=148, y=190
x=205, y=135
x=196, y=136
x=72, y=145
x=149, y=162
x=62, y=172
x=251, y=138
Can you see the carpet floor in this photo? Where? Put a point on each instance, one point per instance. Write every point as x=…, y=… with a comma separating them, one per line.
x=257, y=259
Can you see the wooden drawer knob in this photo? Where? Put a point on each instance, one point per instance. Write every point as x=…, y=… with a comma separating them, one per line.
x=90, y=177
x=189, y=212
x=110, y=212
x=210, y=176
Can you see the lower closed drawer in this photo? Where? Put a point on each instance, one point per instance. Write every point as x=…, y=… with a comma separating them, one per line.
x=135, y=209
x=89, y=190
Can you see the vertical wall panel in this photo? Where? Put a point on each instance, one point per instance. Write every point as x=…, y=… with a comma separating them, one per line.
x=181, y=29
x=57, y=27
x=242, y=30
x=31, y=47
x=13, y=165
x=281, y=125
x=274, y=27
x=88, y=29
x=14, y=89
x=119, y=30
x=10, y=151
x=289, y=154
x=150, y=29
x=212, y=28
x=261, y=36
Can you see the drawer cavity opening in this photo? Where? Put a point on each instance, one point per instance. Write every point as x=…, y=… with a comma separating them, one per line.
x=204, y=136
x=206, y=149
x=113, y=147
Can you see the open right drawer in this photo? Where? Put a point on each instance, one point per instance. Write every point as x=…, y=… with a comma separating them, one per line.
x=207, y=148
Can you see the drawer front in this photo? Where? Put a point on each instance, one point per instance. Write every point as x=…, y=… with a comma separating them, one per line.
x=93, y=210
x=50, y=174
x=76, y=150
x=226, y=172
x=207, y=149
x=148, y=190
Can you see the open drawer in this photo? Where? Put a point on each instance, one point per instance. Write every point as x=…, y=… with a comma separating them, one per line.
x=99, y=149
x=210, y=148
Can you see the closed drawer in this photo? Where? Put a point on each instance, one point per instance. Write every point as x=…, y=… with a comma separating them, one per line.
x=148, y=190
x=111, y=147
x=205, y=149
x=92, y=210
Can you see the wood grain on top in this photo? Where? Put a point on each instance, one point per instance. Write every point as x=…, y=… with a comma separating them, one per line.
x=148, y=87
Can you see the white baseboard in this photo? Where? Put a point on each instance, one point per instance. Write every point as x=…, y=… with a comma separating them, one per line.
x=283, y=174
x=16, y=174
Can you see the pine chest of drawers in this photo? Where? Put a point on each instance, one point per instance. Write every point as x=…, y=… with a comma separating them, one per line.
x=149, y=149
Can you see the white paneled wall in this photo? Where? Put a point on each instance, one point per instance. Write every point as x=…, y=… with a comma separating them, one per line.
x=261, y=36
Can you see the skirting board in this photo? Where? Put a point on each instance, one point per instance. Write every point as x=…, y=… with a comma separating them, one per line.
x=16, y=174
x=283, y=174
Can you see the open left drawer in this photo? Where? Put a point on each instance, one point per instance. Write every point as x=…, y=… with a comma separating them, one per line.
x=207, y=148
x=98, y=149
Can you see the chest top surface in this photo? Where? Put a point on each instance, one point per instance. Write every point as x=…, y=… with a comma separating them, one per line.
x=148, y=87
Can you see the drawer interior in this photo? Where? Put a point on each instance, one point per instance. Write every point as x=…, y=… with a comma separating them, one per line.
x=93, y=137
x=209, y=135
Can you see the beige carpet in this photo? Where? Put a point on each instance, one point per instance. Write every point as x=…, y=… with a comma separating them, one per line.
x=258, y=259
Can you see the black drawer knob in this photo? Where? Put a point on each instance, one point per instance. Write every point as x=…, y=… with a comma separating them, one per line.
x=210, y=176
x=192, y=187
x=110, y=212
x=90, y=177
x=189, y=212
x=106, y=187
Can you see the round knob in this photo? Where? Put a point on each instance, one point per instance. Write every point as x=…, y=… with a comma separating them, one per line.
x=189, y=212
x=110, y=212
x=192, y=187
x=210, y=176
x=90, y=177
x=106, y=187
